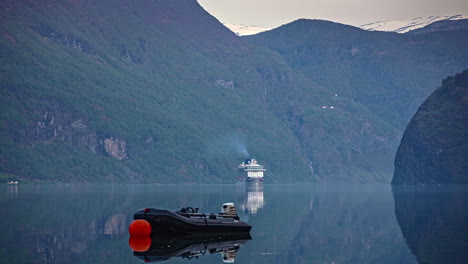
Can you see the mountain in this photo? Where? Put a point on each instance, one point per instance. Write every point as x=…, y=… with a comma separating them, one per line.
x=404, y=26
x=414, y=26
x=378, y=80
x=160, y=91
x=146, y=91
x=417, y=25
x=434, y=148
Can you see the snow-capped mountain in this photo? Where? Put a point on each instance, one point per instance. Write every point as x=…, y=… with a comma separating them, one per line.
x=398, y=26
x=243, y=30
x=404, y=26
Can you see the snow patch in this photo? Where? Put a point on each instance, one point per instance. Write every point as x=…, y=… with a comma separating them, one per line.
x=403, y=26
x=243, y=30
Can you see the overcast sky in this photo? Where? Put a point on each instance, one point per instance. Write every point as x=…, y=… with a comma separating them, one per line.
x=273, y=13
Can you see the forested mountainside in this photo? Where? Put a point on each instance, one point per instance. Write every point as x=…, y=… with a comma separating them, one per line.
x=434, y=148
x=378, y=78
x=160, y=91
x=134, y=91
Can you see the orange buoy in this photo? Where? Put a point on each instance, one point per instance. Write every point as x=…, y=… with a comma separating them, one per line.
x=139, y=243
x=139, y=228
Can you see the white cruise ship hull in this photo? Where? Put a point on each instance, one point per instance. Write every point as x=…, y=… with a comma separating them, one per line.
x=254, y=180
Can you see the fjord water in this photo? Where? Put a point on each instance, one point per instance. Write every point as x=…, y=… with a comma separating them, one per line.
x=290, y=223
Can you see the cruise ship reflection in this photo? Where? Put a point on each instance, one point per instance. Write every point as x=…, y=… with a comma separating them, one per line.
x=158, y=249
x=253, y=198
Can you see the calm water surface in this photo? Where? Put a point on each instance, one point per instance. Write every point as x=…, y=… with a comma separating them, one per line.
x=291, y=223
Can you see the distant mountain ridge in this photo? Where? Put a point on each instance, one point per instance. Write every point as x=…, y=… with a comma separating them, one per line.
x=442, y=25
x=383, y=72
x=398, y=26
x=404, y=26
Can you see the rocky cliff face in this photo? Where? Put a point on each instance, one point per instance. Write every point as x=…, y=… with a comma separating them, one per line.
x=57, y=122
x=434, y=148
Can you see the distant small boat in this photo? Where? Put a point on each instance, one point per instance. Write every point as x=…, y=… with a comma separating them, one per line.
x=12, y=182
x=186, y=221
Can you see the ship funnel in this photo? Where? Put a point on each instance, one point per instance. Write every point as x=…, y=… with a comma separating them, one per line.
x=228, y=209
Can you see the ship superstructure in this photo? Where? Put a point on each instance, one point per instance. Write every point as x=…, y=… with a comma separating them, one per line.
x=253, y=170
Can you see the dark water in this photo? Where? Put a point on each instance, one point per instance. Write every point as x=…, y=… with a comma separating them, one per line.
x=291, y=223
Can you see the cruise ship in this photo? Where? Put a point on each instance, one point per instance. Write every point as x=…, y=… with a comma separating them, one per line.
x=253, y=170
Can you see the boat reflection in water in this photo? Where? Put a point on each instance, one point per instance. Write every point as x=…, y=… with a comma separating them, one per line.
x=253, y=199
x=158, y=249
x=13, y=191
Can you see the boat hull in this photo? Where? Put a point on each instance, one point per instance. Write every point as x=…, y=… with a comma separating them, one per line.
x=254, y=180
x=166, y=222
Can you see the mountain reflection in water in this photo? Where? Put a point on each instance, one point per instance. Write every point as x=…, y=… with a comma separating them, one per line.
x=301, y=223
x=434, y=222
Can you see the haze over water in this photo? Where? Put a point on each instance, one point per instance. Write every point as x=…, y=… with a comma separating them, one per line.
x=290, y=223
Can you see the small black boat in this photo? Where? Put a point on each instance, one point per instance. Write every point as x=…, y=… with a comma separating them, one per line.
x=162, y=248
x=186, y=221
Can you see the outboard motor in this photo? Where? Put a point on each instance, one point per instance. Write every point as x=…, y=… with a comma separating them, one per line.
x=229, y=256
x=228, y=209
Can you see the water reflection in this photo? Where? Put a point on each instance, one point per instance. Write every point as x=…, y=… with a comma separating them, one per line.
x=290, y=223
x=346, y=224
x=59, y=224
x=114, y=225
x=192, y=247
x=433, y=221
x=252, y=198
x=13, y=191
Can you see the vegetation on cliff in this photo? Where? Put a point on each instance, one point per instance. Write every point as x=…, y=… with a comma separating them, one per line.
x=434, y=148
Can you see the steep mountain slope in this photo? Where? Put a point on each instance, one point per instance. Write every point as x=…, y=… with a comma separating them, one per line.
x=378, y=78
x=434, y=148
x=382, y=71
x=142, y=92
